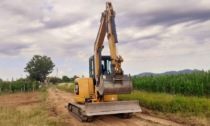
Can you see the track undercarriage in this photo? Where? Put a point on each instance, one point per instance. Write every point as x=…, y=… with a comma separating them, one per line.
x=78, y=112
x=86, y=112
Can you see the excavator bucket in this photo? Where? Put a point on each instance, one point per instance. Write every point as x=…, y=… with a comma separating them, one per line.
x=106, y=108
x=120, y=84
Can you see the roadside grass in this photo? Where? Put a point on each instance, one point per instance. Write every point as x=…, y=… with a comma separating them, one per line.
x=169, y=103
x=32, y=114
x=68, y=87
x=173, y=105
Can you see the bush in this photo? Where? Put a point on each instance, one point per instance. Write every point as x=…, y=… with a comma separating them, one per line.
x=68, y=87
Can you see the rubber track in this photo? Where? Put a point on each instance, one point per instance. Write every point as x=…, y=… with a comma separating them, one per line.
x=82, y=118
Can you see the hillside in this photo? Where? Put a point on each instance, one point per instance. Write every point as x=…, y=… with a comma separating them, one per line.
x=185, y=71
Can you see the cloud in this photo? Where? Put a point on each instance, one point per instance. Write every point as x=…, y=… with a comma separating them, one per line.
x=164, y=17
x=62, y=22
x=151, y=12
x=12, y=48
x=18, y=8
x=153, y=35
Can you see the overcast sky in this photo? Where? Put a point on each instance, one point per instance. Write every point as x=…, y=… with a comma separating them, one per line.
x=154, y=35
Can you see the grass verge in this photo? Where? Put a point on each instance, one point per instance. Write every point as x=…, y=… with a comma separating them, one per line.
x=182, y=106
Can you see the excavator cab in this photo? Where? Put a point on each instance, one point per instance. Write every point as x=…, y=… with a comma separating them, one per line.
x=110, y=83
x=105, y=69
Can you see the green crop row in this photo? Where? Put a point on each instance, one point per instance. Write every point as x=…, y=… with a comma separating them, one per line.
x=164, y=102
x=18, y=86
x=193, y=84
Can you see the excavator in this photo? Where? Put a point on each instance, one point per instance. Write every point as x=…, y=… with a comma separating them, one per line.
x=98, y=94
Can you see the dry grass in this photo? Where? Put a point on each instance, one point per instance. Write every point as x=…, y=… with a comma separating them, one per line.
x=27, y=109
x=68, y=87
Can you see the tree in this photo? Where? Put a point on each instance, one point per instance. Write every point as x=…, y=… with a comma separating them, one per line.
x=39, y=67
x=75, y=76
x=65, y=79
x=54, y=80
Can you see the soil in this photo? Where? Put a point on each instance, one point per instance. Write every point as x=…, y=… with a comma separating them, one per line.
x=60, y=99
x=19, y=99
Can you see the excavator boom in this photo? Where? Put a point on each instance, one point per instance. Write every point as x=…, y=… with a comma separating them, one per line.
x=116, y=82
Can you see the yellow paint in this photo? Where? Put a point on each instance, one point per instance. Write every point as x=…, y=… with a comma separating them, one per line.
x=106, y=25
x=109, y=98
x=86, y=89
x=86, y=85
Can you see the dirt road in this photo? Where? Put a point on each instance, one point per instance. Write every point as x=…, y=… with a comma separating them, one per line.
x=60, y=99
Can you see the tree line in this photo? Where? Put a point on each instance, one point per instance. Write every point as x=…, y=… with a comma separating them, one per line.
x=23, y=84
x=38, y=68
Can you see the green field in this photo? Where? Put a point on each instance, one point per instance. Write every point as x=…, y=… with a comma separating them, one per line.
x=170, y=103
x=193, y=84
x=184, y=109
x=19, y=86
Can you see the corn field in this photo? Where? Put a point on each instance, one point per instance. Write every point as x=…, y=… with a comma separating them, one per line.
x=195, y=84
x=18, y=86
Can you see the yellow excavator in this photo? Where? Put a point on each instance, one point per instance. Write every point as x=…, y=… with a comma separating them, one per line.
x=97, y=95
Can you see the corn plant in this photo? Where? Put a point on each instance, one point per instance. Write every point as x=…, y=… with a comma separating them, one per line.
x=195, y=84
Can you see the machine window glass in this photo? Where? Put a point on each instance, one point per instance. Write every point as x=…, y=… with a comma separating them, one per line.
x=92, y=67
x=108, y=67
x=76, y=88
x=102, y=64
x=103, y=67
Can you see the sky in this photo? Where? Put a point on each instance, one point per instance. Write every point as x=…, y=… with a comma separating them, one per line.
x=154, y=35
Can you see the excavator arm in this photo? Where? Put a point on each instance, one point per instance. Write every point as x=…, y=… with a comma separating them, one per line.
x=117, y=82
x=112, y=37
x=107, y=26
x=98, y=46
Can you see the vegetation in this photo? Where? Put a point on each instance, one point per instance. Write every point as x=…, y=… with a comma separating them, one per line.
x=22, y=85
x=184, y=109
x=193, y=84
x=53, y=80
x=64, y=79
x=37, y=114
x=169, y=103
x=19, y=85
x=67, y=79
x=68, y=87
x=39, y=67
